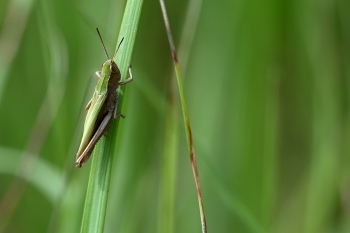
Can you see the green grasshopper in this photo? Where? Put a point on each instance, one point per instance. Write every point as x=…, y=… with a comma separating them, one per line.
x=102, y=107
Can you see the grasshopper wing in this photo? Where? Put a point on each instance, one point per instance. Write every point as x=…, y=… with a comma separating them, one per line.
x=90, y=120
x=97, y=135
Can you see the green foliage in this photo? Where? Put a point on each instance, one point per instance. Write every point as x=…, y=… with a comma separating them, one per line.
x=267, y=90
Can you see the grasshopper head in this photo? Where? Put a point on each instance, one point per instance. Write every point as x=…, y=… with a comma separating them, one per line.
x=110, y=67
x=106, y=67
x=113, y=67
x=112, y=71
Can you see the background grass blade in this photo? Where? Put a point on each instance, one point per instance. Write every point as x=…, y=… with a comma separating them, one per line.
x=99, y=181
x=166, y=219
x=186, y=117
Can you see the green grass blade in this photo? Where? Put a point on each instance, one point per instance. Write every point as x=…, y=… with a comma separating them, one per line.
x=97, y=193
x=186, y=117
x=166, y=215
x=167, y=197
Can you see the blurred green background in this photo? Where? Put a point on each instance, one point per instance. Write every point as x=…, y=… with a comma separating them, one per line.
x=267, y=87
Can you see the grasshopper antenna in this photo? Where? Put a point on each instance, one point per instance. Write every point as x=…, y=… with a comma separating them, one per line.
x=118, y=48
x=102, y=43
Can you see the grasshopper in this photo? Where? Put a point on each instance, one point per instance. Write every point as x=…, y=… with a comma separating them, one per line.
x=102, y=107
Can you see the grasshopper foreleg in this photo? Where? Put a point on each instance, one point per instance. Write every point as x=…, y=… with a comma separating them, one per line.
x=98, y=74
x=127, y=80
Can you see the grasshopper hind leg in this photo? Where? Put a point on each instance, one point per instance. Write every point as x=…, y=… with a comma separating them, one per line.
x=97, y=135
